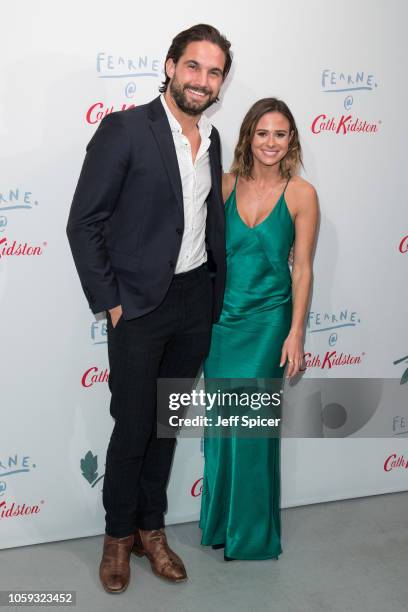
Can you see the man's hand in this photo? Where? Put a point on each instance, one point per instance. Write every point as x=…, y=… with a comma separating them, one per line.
x=115, y=314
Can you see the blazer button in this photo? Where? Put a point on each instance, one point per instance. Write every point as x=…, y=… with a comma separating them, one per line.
x=171, y=263
x=179, y=231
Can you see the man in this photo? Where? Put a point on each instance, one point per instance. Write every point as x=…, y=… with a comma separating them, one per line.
x=146, y=229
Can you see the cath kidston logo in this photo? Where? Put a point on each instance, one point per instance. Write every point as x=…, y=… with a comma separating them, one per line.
x=96, y=112
x=13, y=510
x=14, y=248
x=94, y=375
x=403, y=245
x=344, y=124
x=331, y=359
x=197, y=488
x=394, y=462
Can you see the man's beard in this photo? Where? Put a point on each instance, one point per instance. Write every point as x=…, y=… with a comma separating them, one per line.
x=190, y=108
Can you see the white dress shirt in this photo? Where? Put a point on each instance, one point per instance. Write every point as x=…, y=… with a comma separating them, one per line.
x=196, y=184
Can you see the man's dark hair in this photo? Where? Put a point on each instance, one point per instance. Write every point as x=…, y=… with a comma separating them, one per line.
x=202, y=31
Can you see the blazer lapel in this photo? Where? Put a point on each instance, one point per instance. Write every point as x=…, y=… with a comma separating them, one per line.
x=164, y=138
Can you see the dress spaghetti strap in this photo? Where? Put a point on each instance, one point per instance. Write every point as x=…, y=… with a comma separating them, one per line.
x=287, y=183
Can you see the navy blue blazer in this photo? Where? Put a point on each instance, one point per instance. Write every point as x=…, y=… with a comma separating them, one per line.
x=127, y=221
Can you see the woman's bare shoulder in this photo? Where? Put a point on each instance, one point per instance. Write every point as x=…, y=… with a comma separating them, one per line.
x=228, y=181
x=301, y=187
x=301, y=196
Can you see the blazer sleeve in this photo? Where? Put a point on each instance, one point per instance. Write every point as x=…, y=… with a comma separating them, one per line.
x=99, y=185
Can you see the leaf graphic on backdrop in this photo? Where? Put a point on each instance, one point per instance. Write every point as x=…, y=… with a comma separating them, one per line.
x=89, y=467
x=404, y=378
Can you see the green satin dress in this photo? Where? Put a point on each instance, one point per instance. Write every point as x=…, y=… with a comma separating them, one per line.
x=241, y=490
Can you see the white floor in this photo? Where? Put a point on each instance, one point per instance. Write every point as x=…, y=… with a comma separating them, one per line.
x=337, y=557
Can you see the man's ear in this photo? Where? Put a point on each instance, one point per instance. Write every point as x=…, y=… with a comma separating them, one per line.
x=170, y=68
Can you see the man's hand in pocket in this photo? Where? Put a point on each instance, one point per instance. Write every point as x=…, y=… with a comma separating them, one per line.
x=115, y=314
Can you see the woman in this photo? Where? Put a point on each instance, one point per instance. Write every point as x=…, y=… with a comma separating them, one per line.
x=260, y=330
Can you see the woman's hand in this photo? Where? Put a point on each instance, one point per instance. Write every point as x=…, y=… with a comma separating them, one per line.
x=292, y=352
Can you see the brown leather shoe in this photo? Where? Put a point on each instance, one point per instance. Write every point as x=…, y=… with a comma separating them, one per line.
x=164, y=561
x=114, y=570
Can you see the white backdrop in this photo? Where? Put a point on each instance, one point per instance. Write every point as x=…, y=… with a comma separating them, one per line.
x=341, y=68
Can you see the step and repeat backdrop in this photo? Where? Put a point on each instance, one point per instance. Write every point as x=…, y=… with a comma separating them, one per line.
x=341, y=69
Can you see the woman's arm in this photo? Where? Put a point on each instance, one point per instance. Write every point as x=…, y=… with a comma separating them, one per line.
x=306, y=216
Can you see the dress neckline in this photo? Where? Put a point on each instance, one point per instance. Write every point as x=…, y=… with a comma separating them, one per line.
x=252, y=227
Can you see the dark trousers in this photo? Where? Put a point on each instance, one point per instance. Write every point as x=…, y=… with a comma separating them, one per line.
x=170, y=342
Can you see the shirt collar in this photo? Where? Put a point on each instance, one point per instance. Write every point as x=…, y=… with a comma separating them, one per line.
x=203, y=125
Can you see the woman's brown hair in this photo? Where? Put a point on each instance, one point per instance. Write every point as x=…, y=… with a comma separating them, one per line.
x=243, y=158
